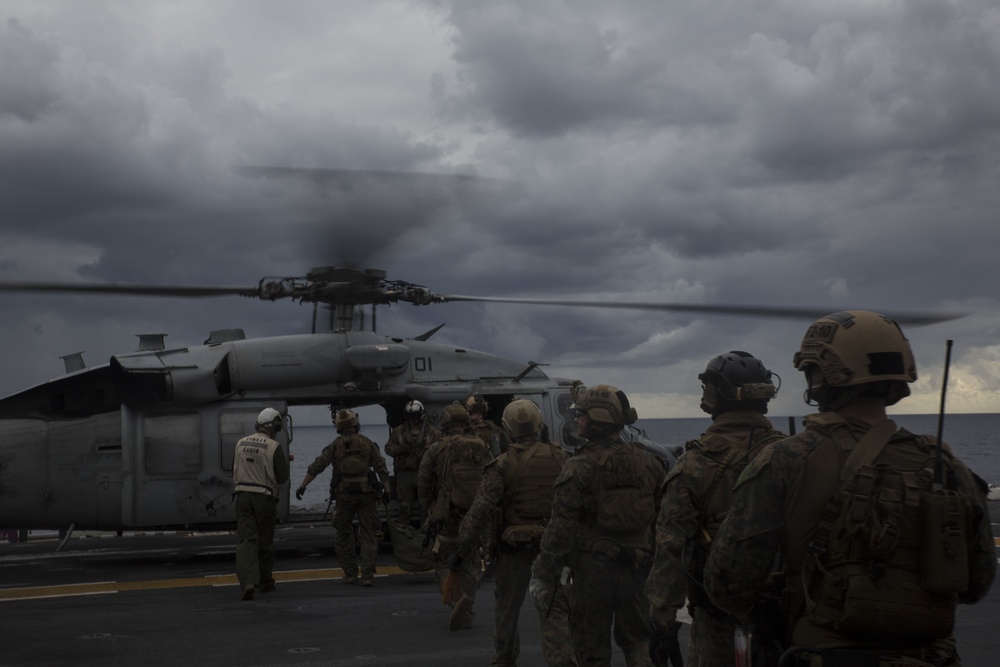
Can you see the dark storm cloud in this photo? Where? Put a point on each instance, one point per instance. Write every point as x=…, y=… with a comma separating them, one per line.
x=844, y=154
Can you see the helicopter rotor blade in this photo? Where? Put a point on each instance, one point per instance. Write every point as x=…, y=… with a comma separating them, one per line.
x=909, y=318
x=135, y=290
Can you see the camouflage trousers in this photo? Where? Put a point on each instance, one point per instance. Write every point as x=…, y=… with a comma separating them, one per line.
x=256, y=514
x=712, y=640
x=469, y=571
x=607, y=594
x=513, y=576
x=347, y=507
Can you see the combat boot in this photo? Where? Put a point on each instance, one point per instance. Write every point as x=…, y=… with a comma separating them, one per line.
x=461, y=614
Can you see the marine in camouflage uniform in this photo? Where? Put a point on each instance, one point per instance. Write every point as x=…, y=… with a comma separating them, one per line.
x=353, y=456
x=518, y=486
x=603, y=511
x=791, y=498
x=443, y=517
x=495, y=437
x=696, y=496
x=406, y=445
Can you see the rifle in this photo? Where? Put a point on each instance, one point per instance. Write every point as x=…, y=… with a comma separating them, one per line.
x=329, y=501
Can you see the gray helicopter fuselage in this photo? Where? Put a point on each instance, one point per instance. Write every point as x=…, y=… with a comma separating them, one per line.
x=147, y=440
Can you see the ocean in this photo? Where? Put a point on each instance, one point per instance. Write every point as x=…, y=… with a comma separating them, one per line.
x=972, y=438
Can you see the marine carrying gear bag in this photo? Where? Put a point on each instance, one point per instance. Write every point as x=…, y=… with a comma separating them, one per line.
x=622, y=499
x=466, y=458
x=872, y=570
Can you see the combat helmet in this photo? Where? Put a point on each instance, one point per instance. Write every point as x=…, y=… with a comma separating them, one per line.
x=345, y=420
x=522, y=418
x=454, y=415
x=736, y=381
x=414, y=410
x=476, y=404
x=269, y=418
x=853, y=353
x=606, y=405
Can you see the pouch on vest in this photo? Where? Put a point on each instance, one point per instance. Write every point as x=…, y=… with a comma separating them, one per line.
x=353, y=465
x=466, y=461
x=465, y=479
x=624, y=500
x=944, y=556
x=869, y=579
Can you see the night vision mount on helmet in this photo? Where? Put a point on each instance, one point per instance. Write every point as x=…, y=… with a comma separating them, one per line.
x=736, y=381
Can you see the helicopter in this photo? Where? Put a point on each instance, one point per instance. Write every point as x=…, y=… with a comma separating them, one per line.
x=147, y=439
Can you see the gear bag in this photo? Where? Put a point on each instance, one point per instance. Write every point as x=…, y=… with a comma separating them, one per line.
x=528, y=483
x=351, y=459
x=622, y=498
x=464, y=461
x=889, y=555
x=713, y=503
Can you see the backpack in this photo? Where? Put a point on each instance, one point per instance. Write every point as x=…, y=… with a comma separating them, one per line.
x=622, y=493
x=351, y=463
x=713, y=502
x=528, y=483
x=464, y=460
x=719, y=478
x=889, y=556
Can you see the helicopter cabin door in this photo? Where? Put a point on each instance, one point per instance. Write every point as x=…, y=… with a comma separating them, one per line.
x=180, y=471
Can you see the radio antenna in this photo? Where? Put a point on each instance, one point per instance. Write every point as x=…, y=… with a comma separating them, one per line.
x=938, y=473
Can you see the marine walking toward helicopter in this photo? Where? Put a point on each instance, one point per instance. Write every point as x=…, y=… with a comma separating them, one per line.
x=359, y=481
x=259, y=468
x=515, y=500
x=406, y=445
x=883, y=532
x=494, y=436
x=736, y=389
x=449, y=477
x=604, y=506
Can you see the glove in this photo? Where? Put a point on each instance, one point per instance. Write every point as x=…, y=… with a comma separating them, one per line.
x=542, y=591
x=454, y=562
x=299, y=492
x=665, y=647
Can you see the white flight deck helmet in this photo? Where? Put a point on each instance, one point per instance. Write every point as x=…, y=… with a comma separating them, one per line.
x=269, y=418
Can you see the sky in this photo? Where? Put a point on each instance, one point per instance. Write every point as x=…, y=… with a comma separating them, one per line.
x=829, y=154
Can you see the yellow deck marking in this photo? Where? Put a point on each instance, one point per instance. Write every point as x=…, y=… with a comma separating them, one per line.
x=996, y=541
x=104, y=587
